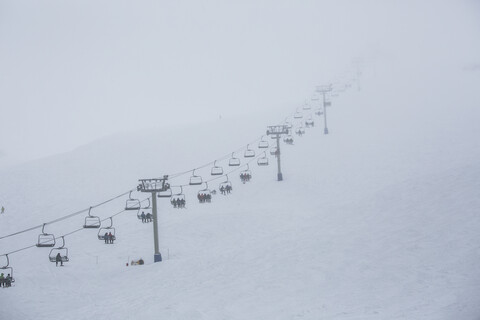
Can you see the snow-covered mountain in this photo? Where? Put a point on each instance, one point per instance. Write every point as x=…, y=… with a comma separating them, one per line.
x=377, y=220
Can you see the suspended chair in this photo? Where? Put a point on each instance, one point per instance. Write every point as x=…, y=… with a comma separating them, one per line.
x=249, y=153
x=246, y=175
x=298, y=115
x=205, y=195
x=60, y=250
x=300, y=131
x=288, y=139
x=195, y=180
x=107, y=230
x=216, y=170
x=263, y=144
x=262, y=161
x=225, y=187
x=45, y=239
x=91, y=222
x=132, y=204
x=178, y=199
x=273, y=151
x=7, y=270
x=234, y=162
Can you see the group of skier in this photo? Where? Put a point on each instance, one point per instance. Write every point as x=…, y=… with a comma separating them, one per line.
x=225, y=189
x=204, y=197
x=146, y=217
x=5, y=282
x=245, y=177
x=108, y=237
x=178, y=202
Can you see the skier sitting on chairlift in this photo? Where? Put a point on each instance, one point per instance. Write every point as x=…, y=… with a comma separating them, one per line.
x=58, y=258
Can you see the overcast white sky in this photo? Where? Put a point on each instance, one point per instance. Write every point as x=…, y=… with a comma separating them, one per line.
x=74, y=71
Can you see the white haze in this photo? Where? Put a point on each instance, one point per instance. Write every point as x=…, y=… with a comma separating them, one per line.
x=74, y=71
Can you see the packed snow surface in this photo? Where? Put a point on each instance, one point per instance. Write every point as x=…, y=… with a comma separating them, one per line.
x=376, y=220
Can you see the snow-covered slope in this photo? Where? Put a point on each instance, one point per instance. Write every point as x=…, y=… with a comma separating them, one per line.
x=376, y=220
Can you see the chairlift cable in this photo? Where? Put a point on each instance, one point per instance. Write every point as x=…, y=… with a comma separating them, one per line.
x=65, y=217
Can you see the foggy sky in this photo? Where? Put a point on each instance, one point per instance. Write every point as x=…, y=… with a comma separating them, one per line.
x=74, y=71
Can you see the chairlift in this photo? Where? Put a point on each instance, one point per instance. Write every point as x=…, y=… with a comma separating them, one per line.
x=300, y=131
x=234, y=162
x=106, y=230
x=246, y=175
x=225, y=187
x=195, y=180
x=62, y=250
x=132, y=204
x=288, y=124
x=263, y=161
x=319, y=112
x=7, y=267
x=328, y=103
x=45, y=239
x=315, y=97
x=178, y=199
x=309, y=122
x=298, y=115
x=249, y=153
x=139, y=214
x=216, y=170
x=273, y=151
x=92, y=222
x=288, y=139
x=166, y=192
x=205, y=195
x=306, y=106
x=263, y=144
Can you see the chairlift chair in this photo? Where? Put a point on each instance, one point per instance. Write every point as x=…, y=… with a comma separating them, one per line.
x=139, y=214
x=288, y=139
x=246, y=175
x=195, y=180
x=91, y=222
x=63, y=253
x=205, y=195
x=178, y=199
x=216, y=170
x=309, y=122
x=300, y=131
x=298, y=115
x=103, y=230
x=132, y=204
x=234, y=162
x=306, y=106
x=225, y=187
x=166, y=193
x=263, y=144
x=249, y=153
x=148, y=206
x=273, y=151
x=7, y=267
x=45, y=239
x=263, y=161
x=319, y=112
